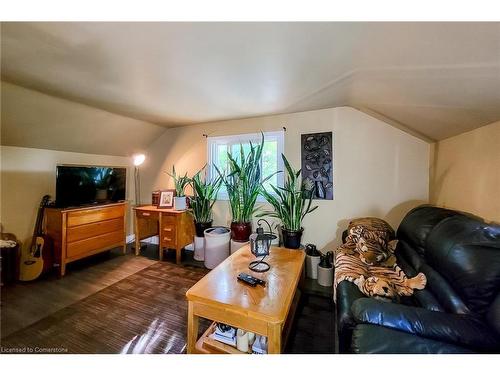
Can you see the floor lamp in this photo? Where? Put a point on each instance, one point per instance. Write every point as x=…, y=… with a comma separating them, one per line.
x=138, y=160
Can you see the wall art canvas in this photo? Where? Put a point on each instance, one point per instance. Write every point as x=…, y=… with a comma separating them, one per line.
x=317, y=164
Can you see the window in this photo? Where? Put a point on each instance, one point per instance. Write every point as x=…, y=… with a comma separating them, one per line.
x=218, y=147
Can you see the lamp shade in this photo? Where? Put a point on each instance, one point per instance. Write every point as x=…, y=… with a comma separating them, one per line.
x=139, y=159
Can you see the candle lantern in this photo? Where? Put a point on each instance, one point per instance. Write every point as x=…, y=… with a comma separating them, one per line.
x=260, y=244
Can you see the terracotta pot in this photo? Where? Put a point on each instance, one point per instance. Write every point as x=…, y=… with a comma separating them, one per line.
x=291, y=238
x=200, y=228
x=241, y=231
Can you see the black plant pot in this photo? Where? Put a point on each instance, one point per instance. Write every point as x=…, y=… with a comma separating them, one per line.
x=291, y=238
x=200, y=228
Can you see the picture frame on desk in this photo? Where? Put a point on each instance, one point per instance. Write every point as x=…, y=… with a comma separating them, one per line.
x=166, y=198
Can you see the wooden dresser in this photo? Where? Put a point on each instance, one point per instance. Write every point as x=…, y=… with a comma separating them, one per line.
x=175, y=229
x=80, y=232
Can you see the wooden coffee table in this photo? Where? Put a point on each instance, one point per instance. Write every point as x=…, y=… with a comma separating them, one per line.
x=267, y=311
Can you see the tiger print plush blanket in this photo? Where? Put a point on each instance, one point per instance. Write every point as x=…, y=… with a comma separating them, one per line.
x=367, y=259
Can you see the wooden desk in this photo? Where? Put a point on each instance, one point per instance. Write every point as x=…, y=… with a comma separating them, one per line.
x=263, y=310
x=175, y=229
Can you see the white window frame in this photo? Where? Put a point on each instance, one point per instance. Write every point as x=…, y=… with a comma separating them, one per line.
x=255, y=138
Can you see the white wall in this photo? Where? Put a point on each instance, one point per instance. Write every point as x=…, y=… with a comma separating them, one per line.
x=379, y=170
x=27, y=174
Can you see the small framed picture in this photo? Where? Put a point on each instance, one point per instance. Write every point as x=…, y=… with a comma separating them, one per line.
x=166, y=198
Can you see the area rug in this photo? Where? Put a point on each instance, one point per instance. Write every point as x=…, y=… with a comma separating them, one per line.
x=143, y=313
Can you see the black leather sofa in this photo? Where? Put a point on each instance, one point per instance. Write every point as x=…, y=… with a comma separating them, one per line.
x=457, y=312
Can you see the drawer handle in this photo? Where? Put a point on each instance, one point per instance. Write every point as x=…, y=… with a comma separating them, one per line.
x=167, y=229
x=167, y=239
x=146, y=214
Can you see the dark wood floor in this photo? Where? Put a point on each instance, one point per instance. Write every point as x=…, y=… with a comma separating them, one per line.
x=27, y=302
x=142, y=311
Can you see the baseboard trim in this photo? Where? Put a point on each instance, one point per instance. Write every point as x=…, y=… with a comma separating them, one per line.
x=151, y=240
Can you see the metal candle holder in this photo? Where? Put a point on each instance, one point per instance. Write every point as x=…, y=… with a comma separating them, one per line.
x=260, y=244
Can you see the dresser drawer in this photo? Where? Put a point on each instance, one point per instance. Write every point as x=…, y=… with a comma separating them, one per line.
x=94, y=229
x=168, y=230
x=168, y=240
x=167, y=219
x=89, y=245
x=93, y=215
x=146, y=215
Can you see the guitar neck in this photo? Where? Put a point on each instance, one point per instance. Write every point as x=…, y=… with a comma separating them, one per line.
x=37, y=231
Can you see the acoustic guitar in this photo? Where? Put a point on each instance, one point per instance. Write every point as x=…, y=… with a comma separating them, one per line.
x=38, y=258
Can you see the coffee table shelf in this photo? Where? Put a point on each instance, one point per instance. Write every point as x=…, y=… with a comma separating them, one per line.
x=208, y=345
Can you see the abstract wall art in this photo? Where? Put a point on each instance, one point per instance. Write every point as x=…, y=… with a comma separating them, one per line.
x=317, y=164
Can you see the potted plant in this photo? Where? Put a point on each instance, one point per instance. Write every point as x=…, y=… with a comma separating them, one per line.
x=291, y=203
x=180, y=183
x=202, y=201
x=243, y=184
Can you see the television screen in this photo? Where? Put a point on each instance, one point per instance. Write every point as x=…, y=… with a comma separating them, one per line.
x=86, y=185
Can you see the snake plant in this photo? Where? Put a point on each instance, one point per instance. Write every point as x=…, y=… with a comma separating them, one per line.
x=290, y=203
x=180, y=182
x=205, y=195
x=243, y=181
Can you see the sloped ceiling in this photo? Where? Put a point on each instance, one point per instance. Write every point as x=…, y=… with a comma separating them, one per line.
x=36, y=120
x=434, y=79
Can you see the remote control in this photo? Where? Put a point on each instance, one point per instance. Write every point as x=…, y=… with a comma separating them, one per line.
x=250, y=280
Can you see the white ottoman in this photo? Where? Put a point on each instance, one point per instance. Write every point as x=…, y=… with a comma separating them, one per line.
x=217, y=241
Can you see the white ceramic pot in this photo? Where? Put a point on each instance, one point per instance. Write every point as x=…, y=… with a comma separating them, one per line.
x=312, y=266
x=325, y=276
x=180, y=203
x=235, y=245
x=199, y=248
x=216, y=245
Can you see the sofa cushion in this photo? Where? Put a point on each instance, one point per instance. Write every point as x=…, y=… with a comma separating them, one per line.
x=424, y=297
x=466, y=252
x=418, y=223
x=444, y=292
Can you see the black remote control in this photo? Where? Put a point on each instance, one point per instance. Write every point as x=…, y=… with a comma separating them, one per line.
x=250, y=280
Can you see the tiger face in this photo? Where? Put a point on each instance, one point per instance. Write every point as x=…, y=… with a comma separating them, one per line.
x=377, y=287
x=371, y=252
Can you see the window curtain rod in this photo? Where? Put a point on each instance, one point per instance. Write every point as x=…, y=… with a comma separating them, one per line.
x=208, y=135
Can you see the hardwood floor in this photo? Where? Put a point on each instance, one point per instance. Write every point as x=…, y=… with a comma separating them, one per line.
x=25, y=303
x=143, y=313
x=127, y=304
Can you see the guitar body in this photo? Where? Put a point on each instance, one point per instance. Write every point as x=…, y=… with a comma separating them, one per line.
x=39, y=258
x=31, y=266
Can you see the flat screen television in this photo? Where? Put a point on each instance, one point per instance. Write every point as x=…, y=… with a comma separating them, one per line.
x=89, y=185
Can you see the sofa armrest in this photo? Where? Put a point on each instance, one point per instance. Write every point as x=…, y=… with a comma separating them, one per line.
x=370, y=339
x=458, y=329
